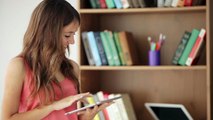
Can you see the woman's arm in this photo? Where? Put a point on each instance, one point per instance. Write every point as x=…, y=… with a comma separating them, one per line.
x=12, y=90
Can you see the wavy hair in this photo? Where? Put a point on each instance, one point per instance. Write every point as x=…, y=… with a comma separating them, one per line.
x=43, y=50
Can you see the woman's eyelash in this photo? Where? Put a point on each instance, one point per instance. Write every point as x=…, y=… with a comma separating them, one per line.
x=67, y=36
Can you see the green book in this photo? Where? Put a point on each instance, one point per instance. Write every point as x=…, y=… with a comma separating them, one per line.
x=93, y=4
x=181, y=47
x=113, y=49
x=110, y=3
x=119, y=49
x=107, y=49
x=190, y=44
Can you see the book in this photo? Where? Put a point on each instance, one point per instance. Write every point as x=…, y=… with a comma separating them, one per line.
x=118, y=4
x=128, y=48
x=102, y=3
x=101, y=97
x=107, y=48
x=91, y=101
x=93, y=4
x=94, y=48
x=119, y=49
x=87, y=49
x=180, y=3
x=142, y=3
x=188, y=48
x=160, y=3
x=110, y=3
x=101, y=114
x=135, y=3
x=130, y=3
x=181, y=47
x=168, y=3
x=188, y=3
x=125, y=3
x=100, y=47
x=125, y=107
x=113, y=110
x=174, y=3
x=113, y=49
x=98, y=3
x=196, y=48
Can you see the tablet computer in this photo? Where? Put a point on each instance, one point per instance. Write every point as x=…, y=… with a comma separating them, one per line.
x=92, y=105
x=162, y=111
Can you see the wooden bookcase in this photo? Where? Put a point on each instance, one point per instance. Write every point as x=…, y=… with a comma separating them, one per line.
x=167, y=83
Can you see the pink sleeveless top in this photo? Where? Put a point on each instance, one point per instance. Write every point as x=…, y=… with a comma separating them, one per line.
x=68, y=89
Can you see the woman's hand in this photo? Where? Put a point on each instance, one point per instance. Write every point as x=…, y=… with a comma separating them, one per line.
x=66, y=102
x=89, y=114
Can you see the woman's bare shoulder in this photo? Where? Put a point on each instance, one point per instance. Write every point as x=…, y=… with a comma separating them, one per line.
x=16, y=66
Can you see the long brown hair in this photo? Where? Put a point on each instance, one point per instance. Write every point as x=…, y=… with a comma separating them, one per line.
x=43, y=50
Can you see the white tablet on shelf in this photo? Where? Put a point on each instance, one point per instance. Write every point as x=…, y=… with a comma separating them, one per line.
x=162, y=111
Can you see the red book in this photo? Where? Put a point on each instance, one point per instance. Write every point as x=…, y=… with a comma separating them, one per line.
x=102, y=96
x=195, y=49
x=187, y=2
x=103, y=4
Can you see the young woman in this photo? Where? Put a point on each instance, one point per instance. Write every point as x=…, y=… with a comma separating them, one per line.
x=41, y=83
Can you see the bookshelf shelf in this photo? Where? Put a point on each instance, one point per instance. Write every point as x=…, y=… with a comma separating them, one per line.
x=142, y=10
x=201, y=67
x=167, y=83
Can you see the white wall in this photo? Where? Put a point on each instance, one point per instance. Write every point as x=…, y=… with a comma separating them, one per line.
x=14, y=18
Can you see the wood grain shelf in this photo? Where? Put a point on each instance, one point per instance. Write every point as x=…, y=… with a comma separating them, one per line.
x=142, y=10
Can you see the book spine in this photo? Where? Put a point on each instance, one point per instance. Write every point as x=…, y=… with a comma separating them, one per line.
x=160, y=3
x=168, y=3
x=190, y=44
x=94, y=48
x=100, y=96
x=114, y=51
x=98, y=3
x=118, y=4
x=175, y=3
x=142, y=3
x=107, y=49
x=181, y=47
x=103, y=3
x=93, y=4
x=187, y=2
x=91, y=101
x=110, y=4
x=100, y=48
x=87, y=49
x=196, y=47
x=135, y=3
x=119, y=49
x=180, y=3
x=125, y=3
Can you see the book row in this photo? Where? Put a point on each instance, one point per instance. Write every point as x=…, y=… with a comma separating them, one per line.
x=119, y=4
x=109, y=48
x=190, y=47
x=121, y=109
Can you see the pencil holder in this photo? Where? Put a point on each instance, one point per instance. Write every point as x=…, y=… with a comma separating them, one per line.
x=154, y=57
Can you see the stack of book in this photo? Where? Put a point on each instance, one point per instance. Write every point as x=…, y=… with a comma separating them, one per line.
x=121, y=109
x=190, y=47
x=119, y=4
x=109, y=48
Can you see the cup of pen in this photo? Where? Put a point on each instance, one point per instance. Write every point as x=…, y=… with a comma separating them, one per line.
x=154, y=57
